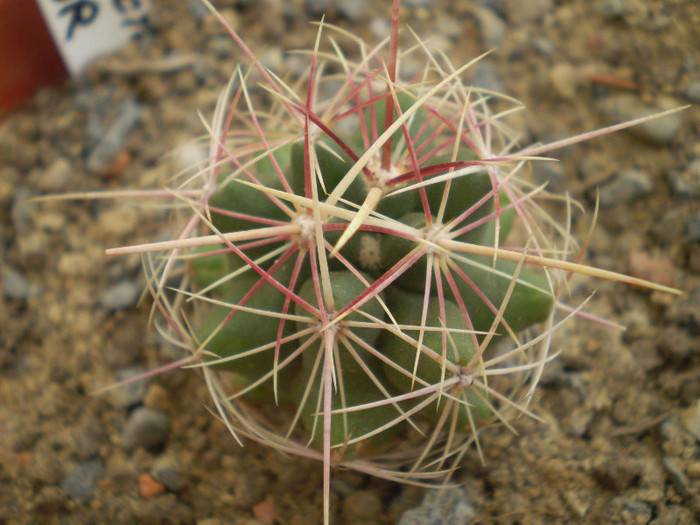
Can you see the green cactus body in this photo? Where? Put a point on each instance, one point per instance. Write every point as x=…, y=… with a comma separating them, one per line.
x=239, y=198
x=358, y=387
x=225, y=333
x=457, y=348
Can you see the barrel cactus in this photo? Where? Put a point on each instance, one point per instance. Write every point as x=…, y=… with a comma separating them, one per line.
x=364, y=254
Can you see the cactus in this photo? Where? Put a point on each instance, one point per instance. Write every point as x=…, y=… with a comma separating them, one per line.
x=357, y=260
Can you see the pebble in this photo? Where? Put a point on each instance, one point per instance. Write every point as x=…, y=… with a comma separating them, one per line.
x=111, y=140
x=81, y=482
x=15, y=287
x=485, y=76
x=551, y=173
x=623, y=107
x=416, y=4
x=439, y=506
x=157, y=397
x=120, y=296
x=627, y=186
x=674, y=469
x=149, y=487
x=521, y=13
x=692, y=91
x=610, y=9
x=493, y=28
x=119, y=220
x=132, y=393
x=691, y=420
x=167, y=471
x=353, y=11
x=686, y=184
x=145, y=427
x=57, y=177
x=692, y=228
x=618, y=473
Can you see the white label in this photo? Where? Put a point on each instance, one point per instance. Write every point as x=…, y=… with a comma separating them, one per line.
x=85, y=29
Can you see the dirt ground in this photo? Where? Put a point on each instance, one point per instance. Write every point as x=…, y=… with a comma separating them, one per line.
x=622, y=407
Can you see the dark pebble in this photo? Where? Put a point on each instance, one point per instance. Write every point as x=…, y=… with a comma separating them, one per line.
x=146, y=427
x=692, y=228
x=81, y=482
x=166, y=471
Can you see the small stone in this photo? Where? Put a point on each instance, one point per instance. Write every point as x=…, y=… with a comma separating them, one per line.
x=674, y=469
x=353, y=11
x=618, y=473
x=447, y=505
x=492, y=27
x=691, y=420
x=132, y=391
x=564, y=80
x=610, y=9
x=146, y=427
x=553, y=174
x=692, y=228
x=56, y=177
x=656, y=269
x=16, y=287
x=149, y=487
x=166, y=470
x=118, y=221
x=81, y=482
x=628, y=185
x=317, y=8
x=623, y=107
x=111, y=140
x=157, y=397
x=120, y=296
x=521, y=13
x=265, y=512
x=485, y=76
x=692, y=91
x=686, y=183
